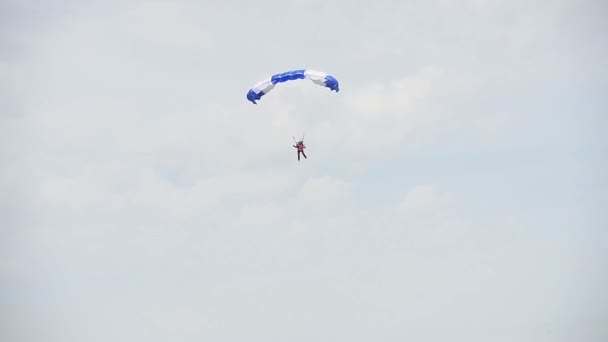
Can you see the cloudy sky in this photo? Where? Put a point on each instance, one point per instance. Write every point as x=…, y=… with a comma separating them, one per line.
x=455, y=187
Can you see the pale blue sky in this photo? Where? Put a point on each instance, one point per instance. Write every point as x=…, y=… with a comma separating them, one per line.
x=454, y=189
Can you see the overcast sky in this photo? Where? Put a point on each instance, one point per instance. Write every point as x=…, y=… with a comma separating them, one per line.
x=455, y=188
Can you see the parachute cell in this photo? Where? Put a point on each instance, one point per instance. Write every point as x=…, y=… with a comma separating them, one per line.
x=318, y=77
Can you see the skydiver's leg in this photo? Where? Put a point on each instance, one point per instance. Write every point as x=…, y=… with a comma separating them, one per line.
x=304, y=154
x=298, y=155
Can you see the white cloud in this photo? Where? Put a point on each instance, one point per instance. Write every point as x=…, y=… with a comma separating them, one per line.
x=496, y=124
x=323, y=195
x=425, y=199
x=377, y=119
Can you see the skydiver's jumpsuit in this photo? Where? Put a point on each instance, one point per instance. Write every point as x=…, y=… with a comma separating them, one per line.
x=300, y=146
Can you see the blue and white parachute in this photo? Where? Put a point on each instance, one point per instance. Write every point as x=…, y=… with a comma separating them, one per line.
x=318, y=77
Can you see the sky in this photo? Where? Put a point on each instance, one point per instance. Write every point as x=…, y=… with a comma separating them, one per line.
x=454, y=189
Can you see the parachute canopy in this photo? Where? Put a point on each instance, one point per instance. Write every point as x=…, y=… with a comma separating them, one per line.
x=318, y=77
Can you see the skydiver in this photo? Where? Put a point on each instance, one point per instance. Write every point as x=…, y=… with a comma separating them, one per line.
x=300, y=146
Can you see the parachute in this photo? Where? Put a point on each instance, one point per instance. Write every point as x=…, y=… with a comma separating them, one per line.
x=318, y=77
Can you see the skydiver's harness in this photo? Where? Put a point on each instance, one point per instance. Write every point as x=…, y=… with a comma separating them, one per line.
x=299, y=144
